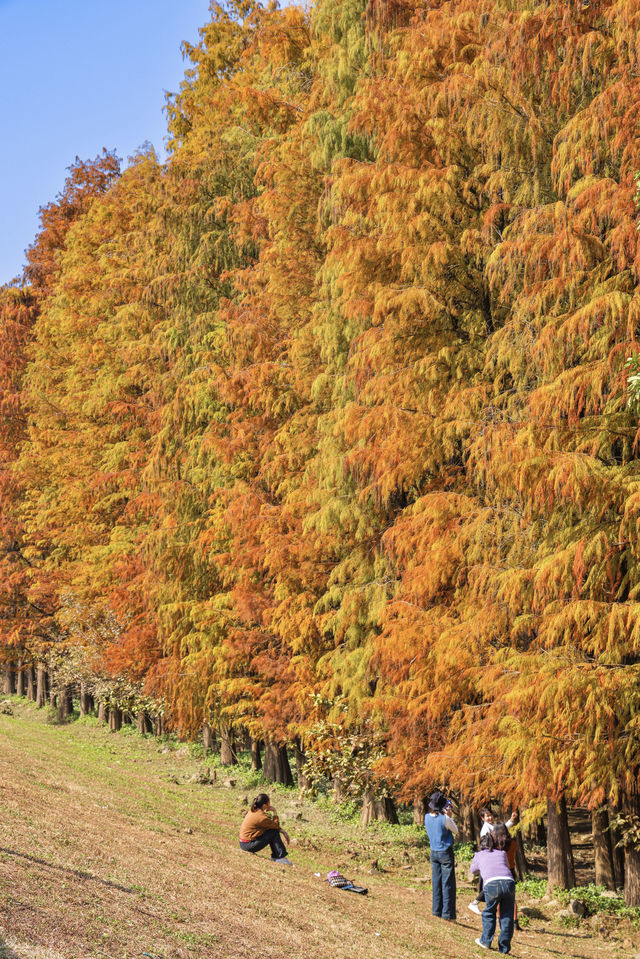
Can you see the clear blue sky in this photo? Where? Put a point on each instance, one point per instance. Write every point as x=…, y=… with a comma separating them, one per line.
x=76, y=76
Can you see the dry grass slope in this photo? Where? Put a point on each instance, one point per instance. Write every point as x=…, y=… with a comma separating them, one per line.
x=108, y=850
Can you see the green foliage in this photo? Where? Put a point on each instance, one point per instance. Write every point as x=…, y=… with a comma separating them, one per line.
x=339, y=753
x=464, y=851
x=570, y=922
x=347, y=811
x=633, y=380
x=628, y=826
x=532, y=887
x=597, y=901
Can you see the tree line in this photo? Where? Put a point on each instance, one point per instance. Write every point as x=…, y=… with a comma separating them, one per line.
x=320, y=432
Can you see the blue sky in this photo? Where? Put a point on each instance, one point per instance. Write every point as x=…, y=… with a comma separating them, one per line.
x=76, y=76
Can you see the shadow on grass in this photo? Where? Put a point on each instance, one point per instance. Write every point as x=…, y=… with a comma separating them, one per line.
x=81, y=874
x=564, y=951
x=568, y=935
x=6, y=952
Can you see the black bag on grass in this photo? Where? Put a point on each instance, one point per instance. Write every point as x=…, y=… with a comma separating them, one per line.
x=338, y=881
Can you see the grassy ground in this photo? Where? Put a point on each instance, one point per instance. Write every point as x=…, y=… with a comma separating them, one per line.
x=109, y=847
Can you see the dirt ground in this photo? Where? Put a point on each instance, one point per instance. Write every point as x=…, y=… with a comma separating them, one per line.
x=110, y=848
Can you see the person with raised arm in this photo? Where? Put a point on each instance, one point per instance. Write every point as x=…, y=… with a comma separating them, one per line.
x=441, y=830
x=488, y=823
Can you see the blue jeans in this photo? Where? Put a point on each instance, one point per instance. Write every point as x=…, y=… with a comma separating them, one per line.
x=443, y=880
x=270, y=837
x=499, y=892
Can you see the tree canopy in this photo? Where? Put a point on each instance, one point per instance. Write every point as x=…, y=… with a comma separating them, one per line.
x=326, y=422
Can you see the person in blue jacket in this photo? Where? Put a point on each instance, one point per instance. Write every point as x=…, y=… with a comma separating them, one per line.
x=441, y=830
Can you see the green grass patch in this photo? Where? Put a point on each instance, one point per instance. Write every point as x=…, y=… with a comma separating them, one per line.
x=532, y=887
x=597, y=900
x=464, y=851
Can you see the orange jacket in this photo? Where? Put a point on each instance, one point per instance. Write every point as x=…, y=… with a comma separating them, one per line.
x=255, y=823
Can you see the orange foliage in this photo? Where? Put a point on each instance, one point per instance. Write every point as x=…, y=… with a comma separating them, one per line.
x=344, y=390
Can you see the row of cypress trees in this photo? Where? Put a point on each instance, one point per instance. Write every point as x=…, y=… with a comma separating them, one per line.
x=321, y=429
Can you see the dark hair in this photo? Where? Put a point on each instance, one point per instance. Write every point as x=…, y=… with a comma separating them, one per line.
x=437, y=802
x=485, y=810
x=486, y=841
x=500, y=836
x=259, y=802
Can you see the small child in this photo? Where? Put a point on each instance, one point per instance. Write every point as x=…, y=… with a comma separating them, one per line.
x=488, y=822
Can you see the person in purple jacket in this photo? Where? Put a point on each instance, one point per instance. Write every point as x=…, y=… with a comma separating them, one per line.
x=499, y=887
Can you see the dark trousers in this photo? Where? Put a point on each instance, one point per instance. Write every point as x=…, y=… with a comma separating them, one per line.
x=443, y=880
x=271, y=837
x=499, y=892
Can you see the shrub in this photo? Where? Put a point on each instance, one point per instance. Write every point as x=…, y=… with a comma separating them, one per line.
x=532, y=887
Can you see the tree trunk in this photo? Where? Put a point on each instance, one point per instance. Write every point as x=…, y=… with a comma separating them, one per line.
x=380, y=809
x=560, y=868
x=339, y=794
x=85, y=701
x=41, y=687
x=303, y=781
x=469, y=826
x=227, y=755
x=53, y=698
x=521, y=859
x=115, y=719
x=616, y=842
x=20, y=677
x=420, y=807
x=144, y=723
x=631, y=811
x=256, y=754
x=9, y=686
x=536, y=833
x=269, y=770
x=159, y=725
x=276, y=764
x=31, y=689
x=603, y=849
x=208, y=739
x=63, y=704
x=102, y=713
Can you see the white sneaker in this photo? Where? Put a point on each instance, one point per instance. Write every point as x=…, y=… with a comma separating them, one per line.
x=480, y=943
x=283, y=862
x=474, y=907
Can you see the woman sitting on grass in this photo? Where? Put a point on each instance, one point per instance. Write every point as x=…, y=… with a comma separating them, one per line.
x=261, y=827
x=499, y=887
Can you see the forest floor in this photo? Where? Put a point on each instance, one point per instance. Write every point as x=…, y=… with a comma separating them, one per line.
x=111, y=847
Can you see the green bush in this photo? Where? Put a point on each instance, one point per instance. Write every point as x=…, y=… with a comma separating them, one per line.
x=532, y=887
x=465, y=851
x=596, y=899
x=570, y=922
